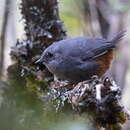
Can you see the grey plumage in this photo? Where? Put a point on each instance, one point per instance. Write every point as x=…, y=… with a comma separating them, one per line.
x=73, y=59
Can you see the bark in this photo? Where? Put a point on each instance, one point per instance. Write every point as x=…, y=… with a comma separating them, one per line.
x=42, y=27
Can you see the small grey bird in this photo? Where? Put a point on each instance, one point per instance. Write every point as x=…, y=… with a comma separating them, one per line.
x=78, y=59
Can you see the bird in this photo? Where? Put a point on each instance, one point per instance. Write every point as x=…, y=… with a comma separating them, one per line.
x=78, y=59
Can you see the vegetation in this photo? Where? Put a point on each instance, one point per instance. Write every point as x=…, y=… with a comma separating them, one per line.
x=24, y=100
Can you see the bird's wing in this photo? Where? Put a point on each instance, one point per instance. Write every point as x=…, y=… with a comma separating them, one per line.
x=98, y=50
x=101, y=46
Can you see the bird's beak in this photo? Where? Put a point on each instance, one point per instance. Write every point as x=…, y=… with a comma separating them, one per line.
x=40, y=61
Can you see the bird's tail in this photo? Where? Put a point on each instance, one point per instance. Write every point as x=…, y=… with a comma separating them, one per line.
x=118, y=37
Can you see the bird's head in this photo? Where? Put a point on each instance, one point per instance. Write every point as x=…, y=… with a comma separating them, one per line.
x=51, y=57
x=47, y=56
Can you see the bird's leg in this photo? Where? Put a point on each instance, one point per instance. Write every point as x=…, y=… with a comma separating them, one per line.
x=55, y=79
x=61, y=81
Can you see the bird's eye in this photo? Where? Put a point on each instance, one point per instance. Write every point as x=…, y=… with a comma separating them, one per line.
x=49, y=54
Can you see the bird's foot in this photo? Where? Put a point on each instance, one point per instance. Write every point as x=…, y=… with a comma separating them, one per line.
x=61, y=83
x=78, y=93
